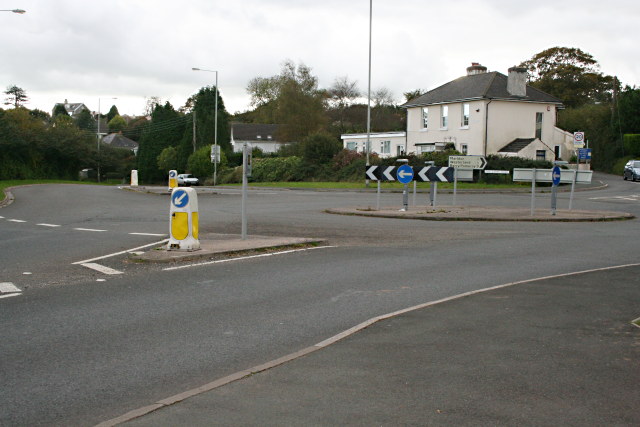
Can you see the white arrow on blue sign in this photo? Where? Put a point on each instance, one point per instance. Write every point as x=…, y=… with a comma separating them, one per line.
x=179, y=198
x=405, y=174
x=555, y=176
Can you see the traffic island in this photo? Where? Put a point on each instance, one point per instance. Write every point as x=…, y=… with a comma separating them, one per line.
x=483, y=213
x=214, y=245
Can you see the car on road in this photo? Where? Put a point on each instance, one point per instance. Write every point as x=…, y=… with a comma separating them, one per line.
x=186, y=179
x=632, y=170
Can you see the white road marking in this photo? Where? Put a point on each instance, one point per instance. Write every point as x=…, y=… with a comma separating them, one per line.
x=148, y=234
x=10, y=295
x=120, y=253
x=16, y=220
x=220, y=261
x=101, y=268
x=48, y=225
x=8, y=287
x=27, y=273
x=89, y=229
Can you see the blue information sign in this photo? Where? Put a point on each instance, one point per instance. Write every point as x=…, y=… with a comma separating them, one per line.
x=584, y=154
x=405, y=174
x=555, y=176
x=180, y=198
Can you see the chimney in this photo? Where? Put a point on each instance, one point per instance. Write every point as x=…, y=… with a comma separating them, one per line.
x=517, y=81
x=476, y=68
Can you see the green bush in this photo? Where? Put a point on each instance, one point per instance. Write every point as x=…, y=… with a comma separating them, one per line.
x=278, y=169
x=631, y=143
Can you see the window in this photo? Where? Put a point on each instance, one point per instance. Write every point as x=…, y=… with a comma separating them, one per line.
x=444, y=116
x=539, y=125
x=465, y=115
x=425, y=117
x=427, y=148
x=556, y=151
x=399, y=150
x=540, y=155
x=385, y=147
x=464, y=148
x=352, y=146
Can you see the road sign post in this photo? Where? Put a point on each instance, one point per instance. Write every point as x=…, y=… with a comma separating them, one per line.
x=183, y=218
x=555, y=176
x=245, y=174
x=405, y=176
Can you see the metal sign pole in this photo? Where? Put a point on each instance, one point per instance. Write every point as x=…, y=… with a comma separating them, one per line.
x=554, y=200
x=405, y=198
x=378, y=197
x=415, y=184
x=244, y=191
x=533, y=191
x=455, y=184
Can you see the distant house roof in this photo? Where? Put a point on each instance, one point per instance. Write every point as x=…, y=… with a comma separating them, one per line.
x=255, y=132
x=119, y=141
x=492, y=85
x=73, y=108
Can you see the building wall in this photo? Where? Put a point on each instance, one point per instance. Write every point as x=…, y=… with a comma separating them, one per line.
x=507, y=120
x=395, y=141
x=265, y=146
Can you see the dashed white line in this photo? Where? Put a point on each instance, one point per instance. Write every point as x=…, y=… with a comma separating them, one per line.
x=101, y=268
x=16, y=220
x=48, y=225
x=148, y=234
x=89, y=229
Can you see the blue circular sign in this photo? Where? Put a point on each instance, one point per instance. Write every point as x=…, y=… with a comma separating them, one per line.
x=555, y=176
x=172, y=174
x=180, y=198
x=405, y=174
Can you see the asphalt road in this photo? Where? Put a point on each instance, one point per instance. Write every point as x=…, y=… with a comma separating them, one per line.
x=78, y=346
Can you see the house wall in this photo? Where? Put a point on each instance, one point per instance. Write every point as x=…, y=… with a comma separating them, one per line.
x=507, y=120
x=357, y=142
x=455, y=132
x=265, y=146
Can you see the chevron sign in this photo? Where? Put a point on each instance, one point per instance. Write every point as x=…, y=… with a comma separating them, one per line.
x=421, y=174
x=381, y=173
x=434, y=174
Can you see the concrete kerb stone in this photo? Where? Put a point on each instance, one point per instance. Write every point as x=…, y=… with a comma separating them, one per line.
x=212, y=245
x=483, y=213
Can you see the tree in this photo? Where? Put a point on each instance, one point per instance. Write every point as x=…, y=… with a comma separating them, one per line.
x=382, y=97
x=151, y=103
x=342, y=94
x=413, y=94
x=168, y=159
x=85, y=121
x=59, y=110
x=113, y=111
x=117, y=124
x=291, y=98
x=569, y=74
x=629, y=110
x=16, y=96
x=200, y=164
x=320, y=148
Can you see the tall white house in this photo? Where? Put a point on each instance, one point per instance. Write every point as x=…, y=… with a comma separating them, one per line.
x=486, y=113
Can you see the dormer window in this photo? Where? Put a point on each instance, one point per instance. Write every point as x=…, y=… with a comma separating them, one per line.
x=259, y=137
x=269, y=137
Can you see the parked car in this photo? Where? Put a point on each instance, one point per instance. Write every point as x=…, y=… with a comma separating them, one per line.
x=187, y=179
x=632, y=170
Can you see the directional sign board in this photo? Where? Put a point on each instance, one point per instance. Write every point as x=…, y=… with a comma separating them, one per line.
x=405, y=174
x=584, y=153
x=381, y=173
x=467, y=162
x=180, y=198
x=545, y=175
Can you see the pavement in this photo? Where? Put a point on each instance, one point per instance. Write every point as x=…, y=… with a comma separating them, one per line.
x=559, y=350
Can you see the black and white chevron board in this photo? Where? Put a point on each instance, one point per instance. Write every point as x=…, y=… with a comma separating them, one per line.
x=420, y=174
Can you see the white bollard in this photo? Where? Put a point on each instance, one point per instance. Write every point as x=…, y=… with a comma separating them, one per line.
x=183, y=229
x=134, y=178
x=173, y=180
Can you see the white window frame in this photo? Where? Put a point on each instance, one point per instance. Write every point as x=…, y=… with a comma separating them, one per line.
x=464, y=119
x=425, y=118
x=352, y=145
x=464, y=148
x=444, y=116
x=385, y=147
x=539, y=124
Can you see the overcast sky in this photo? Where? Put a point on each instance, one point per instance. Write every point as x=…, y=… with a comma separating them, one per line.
x=83, y=50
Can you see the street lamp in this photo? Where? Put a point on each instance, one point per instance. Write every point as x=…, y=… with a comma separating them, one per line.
x=368, y=144
x=215, y=128
x=98, y=134
x=20, y=11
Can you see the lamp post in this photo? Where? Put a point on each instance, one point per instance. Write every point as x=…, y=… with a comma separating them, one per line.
x=368, y=143
x=98, y=134
x=215, y=128
x=20, y=11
